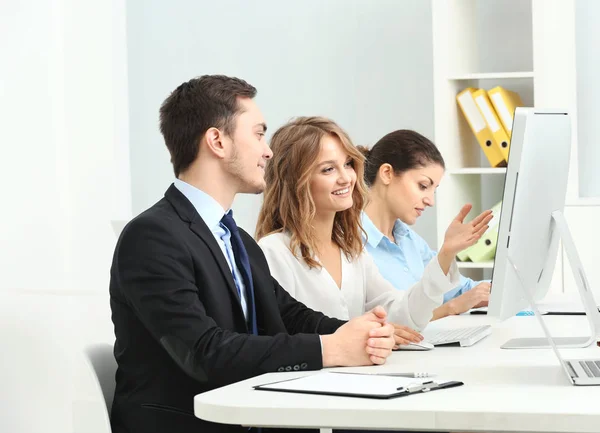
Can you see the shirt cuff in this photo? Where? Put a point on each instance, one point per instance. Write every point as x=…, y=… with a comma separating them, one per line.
x=443, y=283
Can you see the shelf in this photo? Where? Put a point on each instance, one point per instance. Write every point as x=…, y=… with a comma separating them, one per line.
x=479, y=265
x=468, y=52
x=478, y=170
x=492, y=76
x=583, y=201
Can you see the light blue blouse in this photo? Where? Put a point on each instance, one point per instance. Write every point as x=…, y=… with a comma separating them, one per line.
x=402, y=263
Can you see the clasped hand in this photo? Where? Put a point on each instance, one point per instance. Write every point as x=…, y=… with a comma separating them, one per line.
x=364, y=340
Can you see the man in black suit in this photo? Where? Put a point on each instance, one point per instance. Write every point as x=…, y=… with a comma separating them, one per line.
x=193, y=303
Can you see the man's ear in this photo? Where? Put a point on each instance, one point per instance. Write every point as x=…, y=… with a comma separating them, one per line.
x=386, y=173
x=214, y=142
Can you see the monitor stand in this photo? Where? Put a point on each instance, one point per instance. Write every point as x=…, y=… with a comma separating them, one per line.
x=589, y=304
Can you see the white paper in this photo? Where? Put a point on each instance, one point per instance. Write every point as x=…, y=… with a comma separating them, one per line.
x=365, y=384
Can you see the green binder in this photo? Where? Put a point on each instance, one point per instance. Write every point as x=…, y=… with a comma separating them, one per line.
x=463, y=256
x=485, y=248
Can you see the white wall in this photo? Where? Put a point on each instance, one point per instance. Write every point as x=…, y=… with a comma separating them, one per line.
x=64, y=166
x=365, y=64
x=587, y=37
x=64, y=170
x=46, y=383
x=64, y=107
x=34, y=210
x=64, y=104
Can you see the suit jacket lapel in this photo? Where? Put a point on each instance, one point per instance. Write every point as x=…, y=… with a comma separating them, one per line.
x=186, y=212
x=200, y=228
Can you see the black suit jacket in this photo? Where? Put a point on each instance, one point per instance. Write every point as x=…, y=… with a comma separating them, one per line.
x=179, y=325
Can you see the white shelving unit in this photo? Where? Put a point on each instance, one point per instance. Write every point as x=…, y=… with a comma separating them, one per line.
x=478, y=265
x=478, y=170
x=527, y=46
x=492, y=76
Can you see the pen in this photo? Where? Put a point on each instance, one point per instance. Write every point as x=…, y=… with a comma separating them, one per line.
x=415, y=374
x=424, y=387
x=412, y=374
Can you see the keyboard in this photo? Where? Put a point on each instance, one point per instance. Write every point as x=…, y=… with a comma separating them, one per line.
x=459, y=337
x=591, y=368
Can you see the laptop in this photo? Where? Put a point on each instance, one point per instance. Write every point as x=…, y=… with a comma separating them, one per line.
x=584, y=372
x=579, y=371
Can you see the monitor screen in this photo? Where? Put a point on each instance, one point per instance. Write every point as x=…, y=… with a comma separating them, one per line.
x=535, y=186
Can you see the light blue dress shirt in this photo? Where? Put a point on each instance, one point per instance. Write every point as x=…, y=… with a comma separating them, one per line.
x=402, y=263
x=212, y=212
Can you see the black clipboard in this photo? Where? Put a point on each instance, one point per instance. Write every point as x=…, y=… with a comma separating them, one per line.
x=390, y=390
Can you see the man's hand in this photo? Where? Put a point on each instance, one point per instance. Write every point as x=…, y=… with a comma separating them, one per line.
x=477, y=297
x=404, y=335
x=364, y=340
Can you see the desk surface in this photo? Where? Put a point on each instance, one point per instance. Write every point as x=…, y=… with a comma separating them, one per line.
x=505, y=390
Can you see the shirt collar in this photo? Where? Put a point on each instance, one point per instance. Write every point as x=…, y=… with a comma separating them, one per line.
x=207, y=207
x=401, y=229
x=374, y=236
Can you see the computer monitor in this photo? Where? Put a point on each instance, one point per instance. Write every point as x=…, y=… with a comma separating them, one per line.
x=534, y=187
x=531, y=220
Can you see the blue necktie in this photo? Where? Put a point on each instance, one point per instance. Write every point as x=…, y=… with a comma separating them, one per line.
x=243, y=263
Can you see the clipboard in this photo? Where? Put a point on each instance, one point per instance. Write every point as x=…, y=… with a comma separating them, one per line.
x=358, y=385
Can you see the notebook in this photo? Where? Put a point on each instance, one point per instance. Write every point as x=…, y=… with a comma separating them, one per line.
x=358, y=385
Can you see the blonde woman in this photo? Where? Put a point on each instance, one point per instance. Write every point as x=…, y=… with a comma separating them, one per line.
x=309, y=229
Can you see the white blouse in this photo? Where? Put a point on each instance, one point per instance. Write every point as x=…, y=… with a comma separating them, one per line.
x=362, y=288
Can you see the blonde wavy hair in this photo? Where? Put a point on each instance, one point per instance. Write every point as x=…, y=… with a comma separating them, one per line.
x=288, y=204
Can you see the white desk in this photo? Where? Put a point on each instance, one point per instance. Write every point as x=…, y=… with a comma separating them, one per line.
x=505, y=390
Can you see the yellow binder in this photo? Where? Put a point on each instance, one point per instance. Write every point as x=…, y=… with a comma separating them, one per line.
x=505, y=102
x=479, y=127
x=491, y=118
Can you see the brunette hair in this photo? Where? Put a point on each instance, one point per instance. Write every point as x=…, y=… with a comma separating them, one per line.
x=196, y=106
x=404, y=150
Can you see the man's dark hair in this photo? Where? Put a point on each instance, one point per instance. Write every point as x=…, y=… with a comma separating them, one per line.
x=195, y=107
